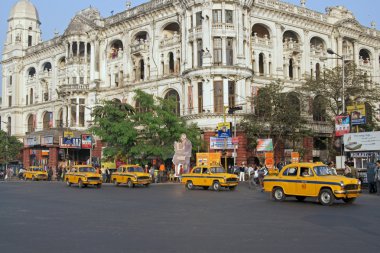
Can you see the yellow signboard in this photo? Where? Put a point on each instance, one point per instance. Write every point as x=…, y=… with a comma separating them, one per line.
x=208, y=159
x=357, y=114
x=224, y=129
x=68, y=134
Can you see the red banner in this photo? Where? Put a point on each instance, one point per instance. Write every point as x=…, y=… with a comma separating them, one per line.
x=342, y=125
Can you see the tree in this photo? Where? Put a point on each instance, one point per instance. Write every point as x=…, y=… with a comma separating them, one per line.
x=277, y=115
x=147, y=131
x=359, y=88
x=10, y=147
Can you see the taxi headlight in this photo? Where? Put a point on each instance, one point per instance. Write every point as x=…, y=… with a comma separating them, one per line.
x=84, y=178
x=359, y=182
x=342, y=185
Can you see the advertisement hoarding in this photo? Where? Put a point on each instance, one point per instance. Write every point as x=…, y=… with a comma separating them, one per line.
x=224, y=130
x=264, y=145
x=342, y=125
x=86, y=141
x=72, y=143
x=365, y=141
x=221, y=143
x=357, y=113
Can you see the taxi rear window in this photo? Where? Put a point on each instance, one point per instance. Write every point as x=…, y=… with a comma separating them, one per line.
x=292, y=171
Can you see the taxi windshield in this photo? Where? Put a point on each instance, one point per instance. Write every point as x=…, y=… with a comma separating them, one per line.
x=322, y=170
x=217, y=170
x=135, y=169
x=86, y=169
x=38, y=169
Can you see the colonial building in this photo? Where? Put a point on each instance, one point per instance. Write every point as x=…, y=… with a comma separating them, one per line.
x=207, y=54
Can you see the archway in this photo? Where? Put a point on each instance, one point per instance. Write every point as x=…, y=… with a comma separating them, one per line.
x=174, y=96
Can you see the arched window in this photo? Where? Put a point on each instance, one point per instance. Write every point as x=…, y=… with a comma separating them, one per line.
x=46, y=66
x=171, y=63
x=261, y=64
x=260, y=31
x=290, y=36
x=31, y=124
x=294, y=102
x=31, y=72
x=319, y=108
x=47, y=120
x=174, y=96
x=317, y=44
x=59, y=122
x=365, y=56
x=116, y=48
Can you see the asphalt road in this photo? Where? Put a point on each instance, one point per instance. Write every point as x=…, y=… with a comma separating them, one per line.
x=50, y=217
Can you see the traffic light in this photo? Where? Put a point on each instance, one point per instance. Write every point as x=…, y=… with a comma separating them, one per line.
x=231, y=110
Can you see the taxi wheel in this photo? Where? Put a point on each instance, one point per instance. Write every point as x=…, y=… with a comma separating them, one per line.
x=147, y=185
x=130, y=183
x=33, y=178
x=189, y=185
x=205, y=187
x=216, y=186
x=300, y=198
x=115, y=183
x=349, y=200
x=68, y=183
x=99, y=186
x=278, y=194
x=232, y=188
x=80, y=184
x=326, y=197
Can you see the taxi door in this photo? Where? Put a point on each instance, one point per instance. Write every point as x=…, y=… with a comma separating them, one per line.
x=306, y=182
x=206, y=177
x=197, y=176
x=288, y=180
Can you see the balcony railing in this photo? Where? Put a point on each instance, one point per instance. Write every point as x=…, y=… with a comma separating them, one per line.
x=74, y=87
x=140, y=46
x=261, y=42
x=167, y=42
x=291, y=45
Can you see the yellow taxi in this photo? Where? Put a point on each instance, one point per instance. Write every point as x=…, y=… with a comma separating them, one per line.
x=209, y=176
x=131, y=175
x=302, y=180
x=35, y=173
x=83, y=175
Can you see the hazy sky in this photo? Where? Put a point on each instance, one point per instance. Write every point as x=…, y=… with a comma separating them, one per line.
x=56, y=14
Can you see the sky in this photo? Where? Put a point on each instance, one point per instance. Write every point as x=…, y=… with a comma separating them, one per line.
x=55, y=15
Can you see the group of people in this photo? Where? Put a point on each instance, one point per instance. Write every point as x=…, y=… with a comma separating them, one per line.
x=373, y=177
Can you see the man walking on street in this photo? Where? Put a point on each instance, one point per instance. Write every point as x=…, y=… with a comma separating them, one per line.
x=377, y=176
x=242, y=171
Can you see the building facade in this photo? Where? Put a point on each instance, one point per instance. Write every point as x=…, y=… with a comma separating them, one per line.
x=206, y=54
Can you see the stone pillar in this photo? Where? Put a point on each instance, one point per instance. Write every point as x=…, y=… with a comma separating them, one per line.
x=224, y=56
x=53, y=157
x=339, y=49
x=279, y=51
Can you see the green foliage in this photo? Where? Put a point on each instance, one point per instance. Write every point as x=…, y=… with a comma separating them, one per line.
x=10, y=147
x=142, y=133
x=277, y=115
x=358, y=88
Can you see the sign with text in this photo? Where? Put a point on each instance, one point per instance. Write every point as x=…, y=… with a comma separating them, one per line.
x=357, y=113
x=32, y=141
x=68, y=134
x=221, y=143
x=365, y=141
x=342, y=125
x=86, y=141
x=47, y=140
x=269, y=160
x=72, y=143
x=295, y=157
x=224, y=130
x=264, y=145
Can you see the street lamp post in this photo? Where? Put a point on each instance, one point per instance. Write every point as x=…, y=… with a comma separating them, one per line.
x=340, y=57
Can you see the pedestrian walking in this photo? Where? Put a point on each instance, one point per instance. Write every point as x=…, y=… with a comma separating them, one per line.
x=151, y=172
x=377, y=176
x=162, y=170
x=242, y=172
x=347, y=170
x=50, y=173
x=371, y=167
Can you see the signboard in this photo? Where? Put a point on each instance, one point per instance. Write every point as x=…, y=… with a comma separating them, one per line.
x=68, y=134
x=269, y=160
x=32, y=141
x=208, y=159
x=224, y=130
x=342, y=125
x=366, y=141
x=235, y=140
x=221, y=143
x=86, y=141
x=295, y=157
x=357, y=113
x=45, y=153
x=264, y=145
x=47, y=140
x=72, y=143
